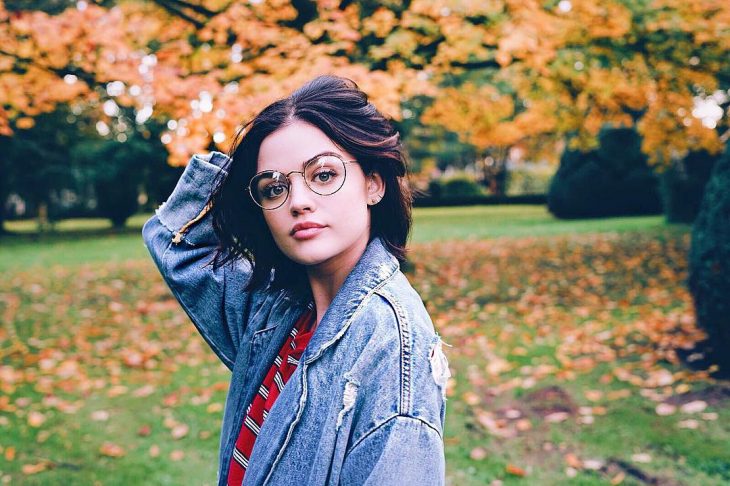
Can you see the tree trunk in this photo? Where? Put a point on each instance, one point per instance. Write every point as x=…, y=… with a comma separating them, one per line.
x=494, y=171
x=43, y=224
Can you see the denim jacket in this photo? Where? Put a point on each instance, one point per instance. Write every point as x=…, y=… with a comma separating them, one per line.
x=366, y=403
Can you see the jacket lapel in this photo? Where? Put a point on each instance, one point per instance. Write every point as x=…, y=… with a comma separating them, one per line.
x=374, y=267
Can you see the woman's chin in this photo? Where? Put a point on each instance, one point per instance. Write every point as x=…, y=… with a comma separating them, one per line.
x=308, y=259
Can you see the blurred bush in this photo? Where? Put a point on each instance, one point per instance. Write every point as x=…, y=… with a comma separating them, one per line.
x=709, y=261
x=612, y=180
x=530, y=179
x=683, y=185
x=453, y=187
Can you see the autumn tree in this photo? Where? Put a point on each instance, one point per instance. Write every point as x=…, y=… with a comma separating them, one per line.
x=502, y=73
x=562, y=70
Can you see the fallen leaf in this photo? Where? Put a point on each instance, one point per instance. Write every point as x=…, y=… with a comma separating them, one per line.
x=35, y=418
x=110, y=449
x=10, y=453
x=660, y=377
x=214, y=407
x=515, y=470
x=688, y=424
x=29, y=469
x=585, y=410
x=556, y=417
x=144, y=391
x=100, y=415
x=641, y=457
x=618, y=479
x=116, y=391
x=512, y=413
x=177, y=455
x=171, y=400
x=695, y=406
x=618, y=394
x=573, y=461
x=593, y=464
x=523, y=425
x=478, y=453
x=471, y=398
x=665, y=409
x=179, y=431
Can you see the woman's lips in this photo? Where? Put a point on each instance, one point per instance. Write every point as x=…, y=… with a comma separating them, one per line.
x=307, y=233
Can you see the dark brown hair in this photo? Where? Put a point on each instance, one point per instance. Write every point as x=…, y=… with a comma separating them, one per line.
x=341, y=110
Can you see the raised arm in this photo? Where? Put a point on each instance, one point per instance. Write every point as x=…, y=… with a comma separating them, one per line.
x=181, y=241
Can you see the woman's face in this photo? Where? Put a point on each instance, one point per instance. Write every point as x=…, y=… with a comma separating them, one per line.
x=341, y=221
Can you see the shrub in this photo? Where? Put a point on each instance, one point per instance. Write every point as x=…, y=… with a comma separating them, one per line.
x=612, y=180
x=457, y=186
x=115, y=170
x=709, y=261
x=529, y=179
x=683, y=185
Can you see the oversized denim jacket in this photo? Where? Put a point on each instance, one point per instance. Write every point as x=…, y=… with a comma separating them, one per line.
x=366, y=403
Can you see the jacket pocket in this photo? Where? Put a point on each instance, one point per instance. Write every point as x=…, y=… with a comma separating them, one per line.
x=259, y=342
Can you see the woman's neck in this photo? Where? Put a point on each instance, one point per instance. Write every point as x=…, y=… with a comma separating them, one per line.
x=326, y=278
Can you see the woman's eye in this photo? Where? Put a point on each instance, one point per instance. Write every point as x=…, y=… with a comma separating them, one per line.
x=273, y=191
x=324, y=176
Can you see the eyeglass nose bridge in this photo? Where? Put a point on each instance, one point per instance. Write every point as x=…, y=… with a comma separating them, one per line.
x=300, y=172
x=289, y=185
x=289, y=182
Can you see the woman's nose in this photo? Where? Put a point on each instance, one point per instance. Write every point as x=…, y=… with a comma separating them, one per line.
x=301, y=197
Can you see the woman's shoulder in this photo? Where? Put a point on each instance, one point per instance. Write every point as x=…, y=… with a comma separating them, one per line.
x=406, y=305
x=393, y=320
x=396, y=345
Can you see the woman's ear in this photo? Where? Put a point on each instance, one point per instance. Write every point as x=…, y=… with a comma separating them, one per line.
x=376, y=188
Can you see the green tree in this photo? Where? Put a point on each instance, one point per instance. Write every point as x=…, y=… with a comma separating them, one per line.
x=709, y=262
x=683, y=185
x=36, y=161
x=612, y=180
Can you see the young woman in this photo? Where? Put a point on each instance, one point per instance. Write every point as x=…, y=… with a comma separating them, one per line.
x=285, y=256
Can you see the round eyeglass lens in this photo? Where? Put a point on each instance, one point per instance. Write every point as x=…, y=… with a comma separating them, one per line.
x=325, y=175
x=269, y=189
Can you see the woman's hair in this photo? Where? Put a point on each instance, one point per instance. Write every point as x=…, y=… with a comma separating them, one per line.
x=341, y=110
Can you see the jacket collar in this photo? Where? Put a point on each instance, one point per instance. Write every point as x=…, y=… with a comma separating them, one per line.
x=375, y=266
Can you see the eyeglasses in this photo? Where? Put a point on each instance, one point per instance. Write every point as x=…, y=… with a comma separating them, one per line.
x=325, y=174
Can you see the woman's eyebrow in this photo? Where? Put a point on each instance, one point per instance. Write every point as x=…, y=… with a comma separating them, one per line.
x=326, y=152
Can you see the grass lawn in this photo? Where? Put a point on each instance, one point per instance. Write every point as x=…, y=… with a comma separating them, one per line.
x=565, y=342
x=93, y=240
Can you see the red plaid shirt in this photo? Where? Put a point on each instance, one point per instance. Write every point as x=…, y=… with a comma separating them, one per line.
x=281, y=369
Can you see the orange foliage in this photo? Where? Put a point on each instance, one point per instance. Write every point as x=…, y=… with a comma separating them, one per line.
x=549, y=72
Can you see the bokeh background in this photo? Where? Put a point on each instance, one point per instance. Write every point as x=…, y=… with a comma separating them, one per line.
x=571, y=238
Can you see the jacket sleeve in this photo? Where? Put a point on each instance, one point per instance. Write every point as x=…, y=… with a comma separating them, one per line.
x=181, y=240
x=403, y=450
